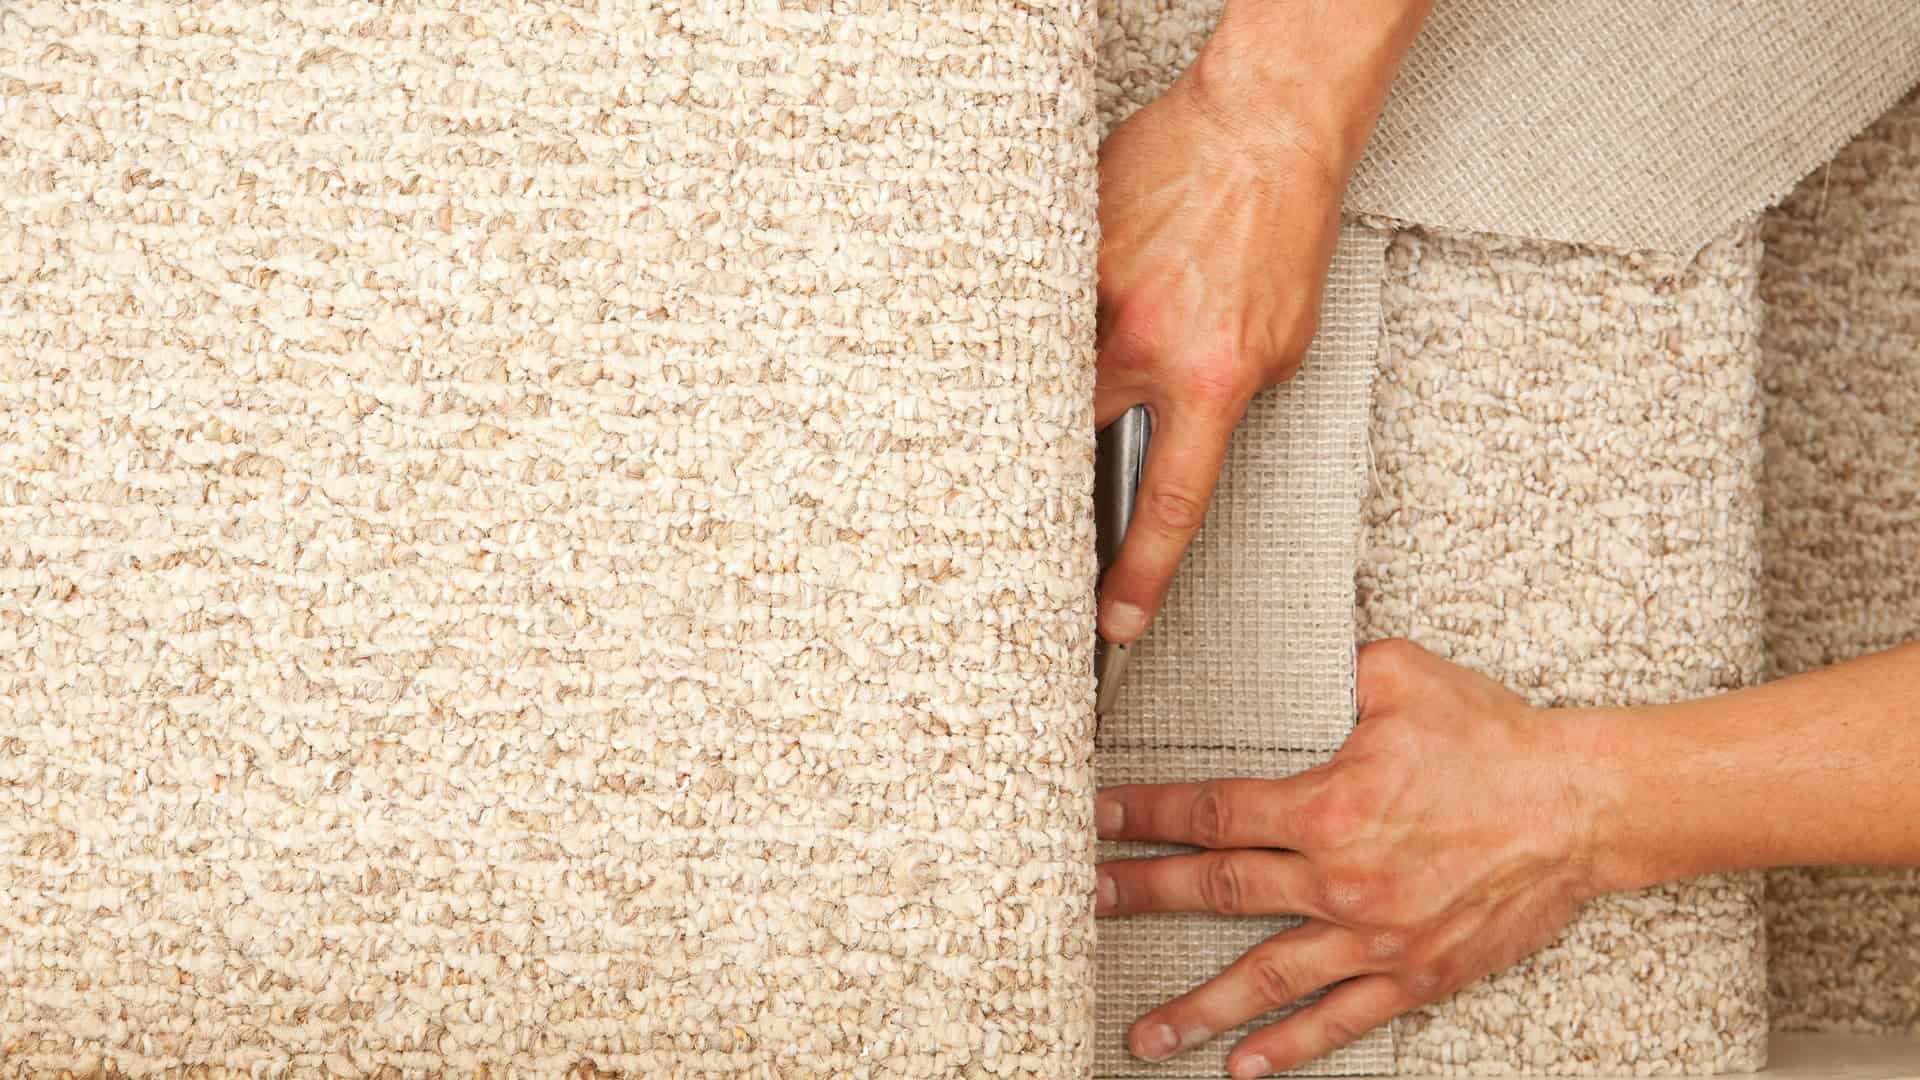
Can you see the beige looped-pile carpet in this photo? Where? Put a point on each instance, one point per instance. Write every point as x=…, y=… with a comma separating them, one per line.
x=546, y=534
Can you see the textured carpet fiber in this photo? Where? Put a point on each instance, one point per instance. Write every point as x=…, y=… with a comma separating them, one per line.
x=546, y=533
x=557, y=535
x=1842, y=376
x=1566, y=497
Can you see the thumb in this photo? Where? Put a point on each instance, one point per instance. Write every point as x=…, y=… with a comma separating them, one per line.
x=1182, y=468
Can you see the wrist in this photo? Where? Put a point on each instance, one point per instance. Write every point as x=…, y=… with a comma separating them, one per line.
x=1303, y=78
x=1604, y=844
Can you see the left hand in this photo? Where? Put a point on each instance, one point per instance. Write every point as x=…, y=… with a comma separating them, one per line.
x=1446, y=840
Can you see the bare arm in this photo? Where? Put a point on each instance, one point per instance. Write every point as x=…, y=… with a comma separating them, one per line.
x=1817, y=769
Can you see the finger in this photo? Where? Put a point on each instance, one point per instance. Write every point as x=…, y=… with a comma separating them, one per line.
x=1109, y=401
x=1124, y=370
x=1210, y=814
x=1349, y=1011
x=1272, y=974
x=1183, y=464
x=1239, y=882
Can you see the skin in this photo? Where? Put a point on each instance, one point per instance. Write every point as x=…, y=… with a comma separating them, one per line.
x=1219, y=209
x=1459, y=829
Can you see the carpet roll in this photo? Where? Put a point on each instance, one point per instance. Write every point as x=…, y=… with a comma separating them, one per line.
x=546, y=537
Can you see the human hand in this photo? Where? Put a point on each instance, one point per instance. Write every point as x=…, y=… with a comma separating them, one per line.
x=1212, y=258
x=1446, y=840
x=1219, y=212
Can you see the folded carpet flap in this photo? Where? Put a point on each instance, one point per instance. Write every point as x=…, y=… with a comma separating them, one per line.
x=1637, y=125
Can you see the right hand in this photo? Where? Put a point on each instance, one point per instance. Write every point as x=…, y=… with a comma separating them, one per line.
x=1219, y=212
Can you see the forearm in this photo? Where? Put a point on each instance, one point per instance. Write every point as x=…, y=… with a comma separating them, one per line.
x=1817, y=769
x=1308, y=72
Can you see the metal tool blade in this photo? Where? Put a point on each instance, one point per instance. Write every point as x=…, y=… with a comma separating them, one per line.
x=1120, y=457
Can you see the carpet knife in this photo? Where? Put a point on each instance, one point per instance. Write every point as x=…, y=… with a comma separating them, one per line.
x=1120, y=455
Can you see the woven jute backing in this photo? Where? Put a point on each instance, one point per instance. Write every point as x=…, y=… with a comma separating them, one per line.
x=1842, y=377
x=544, y=533
x=1655, y=124
x=1260, y=614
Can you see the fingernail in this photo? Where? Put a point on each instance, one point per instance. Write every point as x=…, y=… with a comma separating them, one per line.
x=1250, y=1066
x=1107, y=896
x=1157, y=1042
x=1121, y=622
x=1108, y=816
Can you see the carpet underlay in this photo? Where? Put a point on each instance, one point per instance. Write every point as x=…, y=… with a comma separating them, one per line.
x=1841, y=370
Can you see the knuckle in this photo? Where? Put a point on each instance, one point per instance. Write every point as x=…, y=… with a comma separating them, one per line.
x=1425, y=985
x=1332, y=818
x=1443, y=972
x=1207, y=818
x=1222, y=887
x=1177, y=508
x=1337, y=1030
x=1132, y=338
x=1130, y=346
x=1221, y=390
x=1345, y=899
x=1386, y=945
x=1274, y=980
x=1386, y=664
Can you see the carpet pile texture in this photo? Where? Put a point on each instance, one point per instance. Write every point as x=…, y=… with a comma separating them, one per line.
x=545, y=534
x=558, y=538
x=1841, y=371
x=1566, y=497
